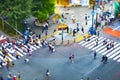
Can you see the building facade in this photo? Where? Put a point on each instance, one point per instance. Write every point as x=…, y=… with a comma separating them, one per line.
x=72, y=2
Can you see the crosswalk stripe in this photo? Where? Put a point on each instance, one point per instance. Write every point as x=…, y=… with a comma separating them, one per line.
x=36, y=46
x=111, y=49
x=112, y=52
x=19, y=53
x=81, y=42
x=30, y=47
x=105, y=49
x=93, y=45
x=1, y=58
x=11, y=55
x=1, y=53
x=9, y=58
x=98, y=45
x=89, y=41
x=92, y=42
x=117, y=56
x=102, y=46
x=33, y=47
x=84, y=41
x=20, y=50
x=118, y=60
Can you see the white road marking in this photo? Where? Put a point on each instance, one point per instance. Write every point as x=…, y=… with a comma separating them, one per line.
x=116, y=28
x=115, y=55
x=111, y=49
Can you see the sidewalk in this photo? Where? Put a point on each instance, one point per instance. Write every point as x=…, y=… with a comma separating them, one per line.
x=79, y=13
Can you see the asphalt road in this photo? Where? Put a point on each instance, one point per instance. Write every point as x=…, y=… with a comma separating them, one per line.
x=62, y=69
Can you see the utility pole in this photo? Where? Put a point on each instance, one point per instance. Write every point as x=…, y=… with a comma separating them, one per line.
x=93, y=16
x=3, y=23
x=16, y=27
x=62, y=32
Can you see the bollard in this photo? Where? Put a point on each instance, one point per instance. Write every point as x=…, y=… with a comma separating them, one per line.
x=54, y=31
x=84, y=37
x=62, y=42
x=68, y=42
x=74, y=40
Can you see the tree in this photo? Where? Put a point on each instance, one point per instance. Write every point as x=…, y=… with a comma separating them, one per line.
x=16, y=11
x=42, y=9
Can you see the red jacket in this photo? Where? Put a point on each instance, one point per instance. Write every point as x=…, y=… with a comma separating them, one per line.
x=14, y=78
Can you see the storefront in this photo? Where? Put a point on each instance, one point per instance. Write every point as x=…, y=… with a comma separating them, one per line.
x=62, y=2
x=72, y=2
x=116, y=6
x=84, y=2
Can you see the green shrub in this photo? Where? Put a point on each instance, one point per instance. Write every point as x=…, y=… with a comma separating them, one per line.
x=42, y=16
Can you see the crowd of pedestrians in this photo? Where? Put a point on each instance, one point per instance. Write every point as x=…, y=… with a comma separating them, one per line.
x=23, y=46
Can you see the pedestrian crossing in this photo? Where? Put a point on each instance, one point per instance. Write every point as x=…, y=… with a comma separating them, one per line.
x=112, y=53
x=19, y=51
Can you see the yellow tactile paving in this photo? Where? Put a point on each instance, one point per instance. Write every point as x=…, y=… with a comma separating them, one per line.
x=50, y=35
x=80, y=38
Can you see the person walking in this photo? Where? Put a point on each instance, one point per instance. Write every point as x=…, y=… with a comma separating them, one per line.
x=39, y=36
x=46, y=33
x=26, y=60
x=95, y=54
x=14, y=78
x=96, y=42
x=47, y=75
x=19, y=76
x=86, y=19
x=72, y=58
x=73, y=18
x=97, y=78
x=103, y=58
x=7, y=66
x=82, y=29
x=1, y=78
x=88, y=78
x=9, y=77
x=43, y=28
x=81, y=79
x=67, y=29
x=74, y=31
x=98, y=33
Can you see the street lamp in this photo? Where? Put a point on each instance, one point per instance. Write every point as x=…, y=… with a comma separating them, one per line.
x=96, y=25
x=16, y=24
x=62, y=32
x=3, y=20
x=92, y=30
x=93, y=16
